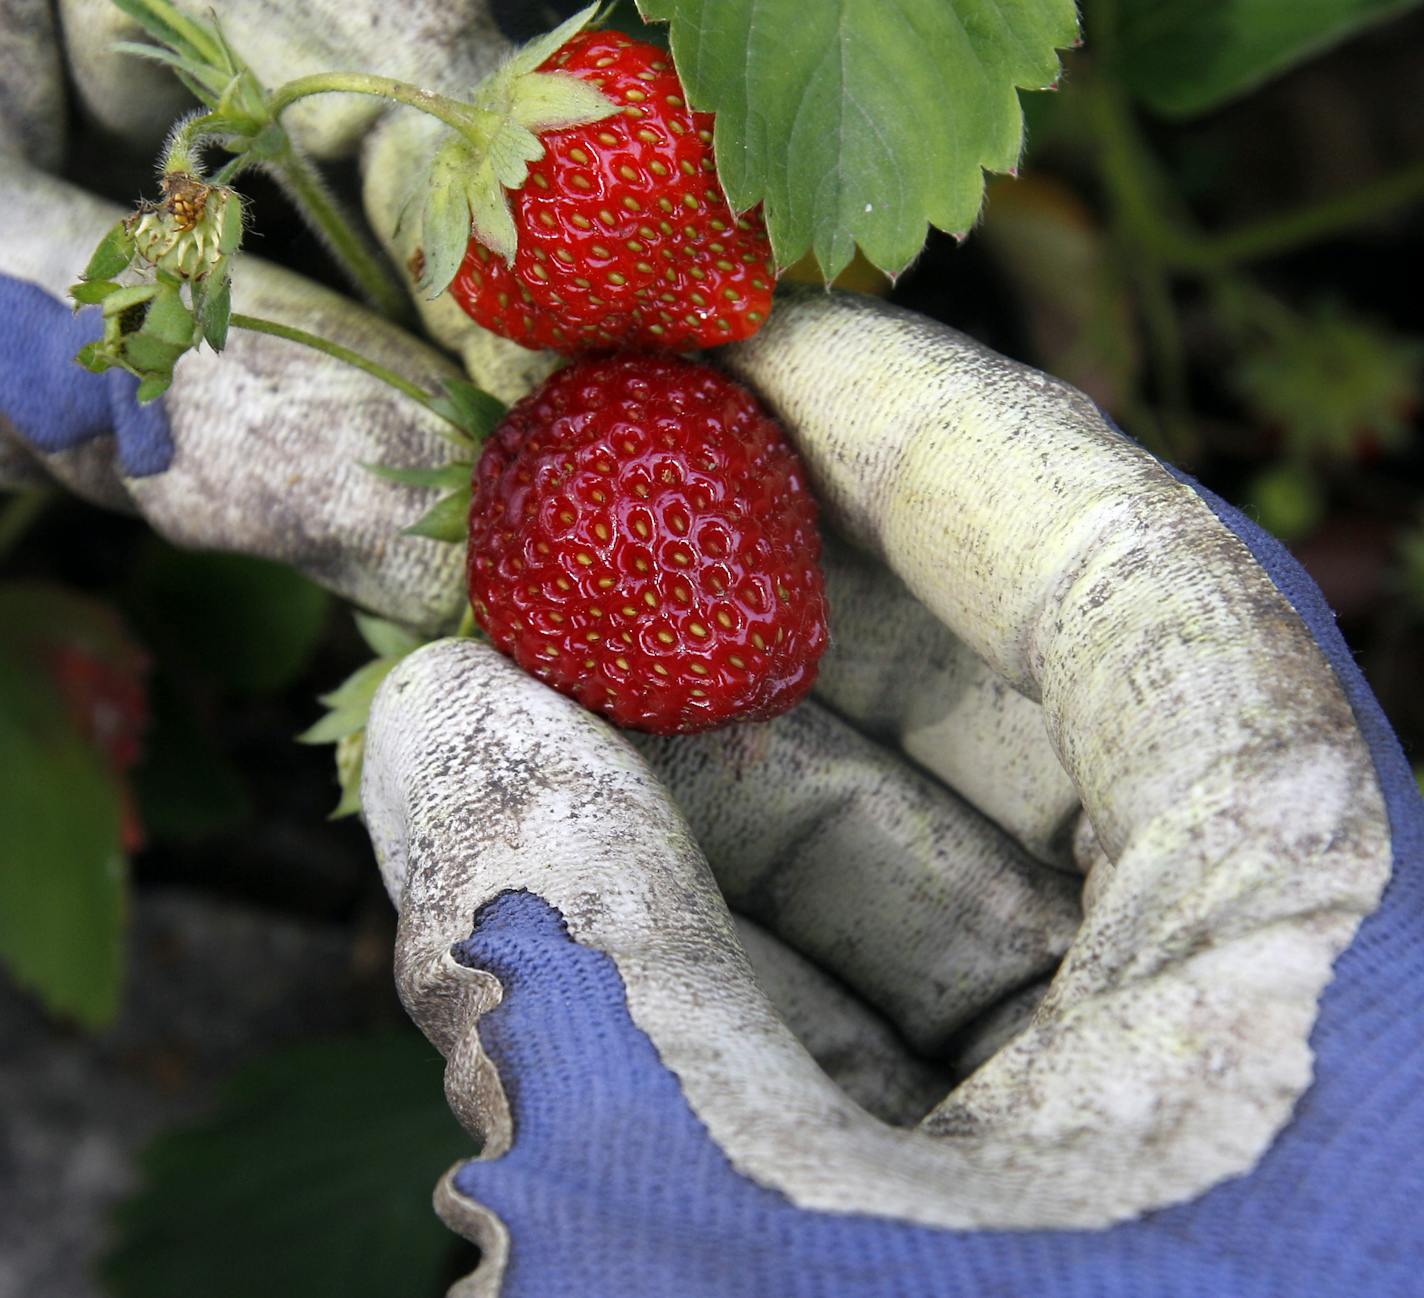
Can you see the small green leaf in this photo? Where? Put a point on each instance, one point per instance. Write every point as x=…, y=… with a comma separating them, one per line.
x=113, y=255
x=449, y=476
x=205, y=83
x=313, y=1177
x=508, y=156
x=217, y=314
x=349, y=704
x=1184, y=57
x=92, y=292
x=171, y=27
x=861, y=122
x=445, y=218
x=386, y=639
x=447, y=520
x=153, y=386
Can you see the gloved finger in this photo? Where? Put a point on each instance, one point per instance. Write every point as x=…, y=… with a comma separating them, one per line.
x=857, y=1048
x=874, y=872
x=439, y=46
x=1214, y=750
x=32, y=103
x=260, y=450
x=902, y=677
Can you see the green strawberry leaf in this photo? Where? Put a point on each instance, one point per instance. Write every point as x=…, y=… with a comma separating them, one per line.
x=313, y=1177
x=1183, y=57
x=861, y=121
x=62, y=870
x=447, y=520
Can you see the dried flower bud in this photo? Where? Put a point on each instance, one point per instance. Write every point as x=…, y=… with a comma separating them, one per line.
x=192, y=231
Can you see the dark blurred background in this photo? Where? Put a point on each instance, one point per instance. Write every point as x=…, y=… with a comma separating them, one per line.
x=1237, y=285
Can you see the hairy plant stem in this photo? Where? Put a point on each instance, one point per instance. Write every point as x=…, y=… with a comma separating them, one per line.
x=470, y=122
x=360, y=259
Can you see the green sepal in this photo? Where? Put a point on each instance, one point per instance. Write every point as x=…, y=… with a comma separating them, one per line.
x=350, y=762
x=150, y=355
x=349, y=703
x=542, y=48
x=92, y=292
x=445, y=217
x=449, y=476
x=385, y=638
x=446, y=520
x=204, y=83
x=472, y=408
x=112, y=256
x=153, y=386
x=552, y=101
x=215, y=314
x=95, y=357
x=470, y=173
x=129, y=296
x=169, y=319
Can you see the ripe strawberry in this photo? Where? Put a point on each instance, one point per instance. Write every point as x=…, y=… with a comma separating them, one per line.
x=641, y=538
x=625, y=235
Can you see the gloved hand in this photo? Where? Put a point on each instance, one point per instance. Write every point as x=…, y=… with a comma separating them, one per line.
x=1180, y=1111
x=674, y=1101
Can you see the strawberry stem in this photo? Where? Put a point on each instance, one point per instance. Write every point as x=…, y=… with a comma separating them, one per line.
x=255, y=324
x=356, y=255
x=472, y=123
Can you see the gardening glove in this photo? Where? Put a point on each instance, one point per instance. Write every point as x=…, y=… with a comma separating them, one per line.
x=1183, y=1103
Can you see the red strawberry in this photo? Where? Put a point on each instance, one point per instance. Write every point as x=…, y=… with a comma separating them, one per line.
x=642, y=538
x=625, y=235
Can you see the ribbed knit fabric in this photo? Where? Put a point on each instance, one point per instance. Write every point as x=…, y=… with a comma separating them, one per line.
x=614, y=1189
x=54, y=403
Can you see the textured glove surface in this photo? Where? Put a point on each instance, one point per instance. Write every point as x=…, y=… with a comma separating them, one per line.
x=1236, y=830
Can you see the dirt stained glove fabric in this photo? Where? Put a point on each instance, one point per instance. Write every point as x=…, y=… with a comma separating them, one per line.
x=1150, y=1083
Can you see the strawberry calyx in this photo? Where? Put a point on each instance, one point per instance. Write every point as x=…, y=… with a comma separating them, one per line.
x=466, y=187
